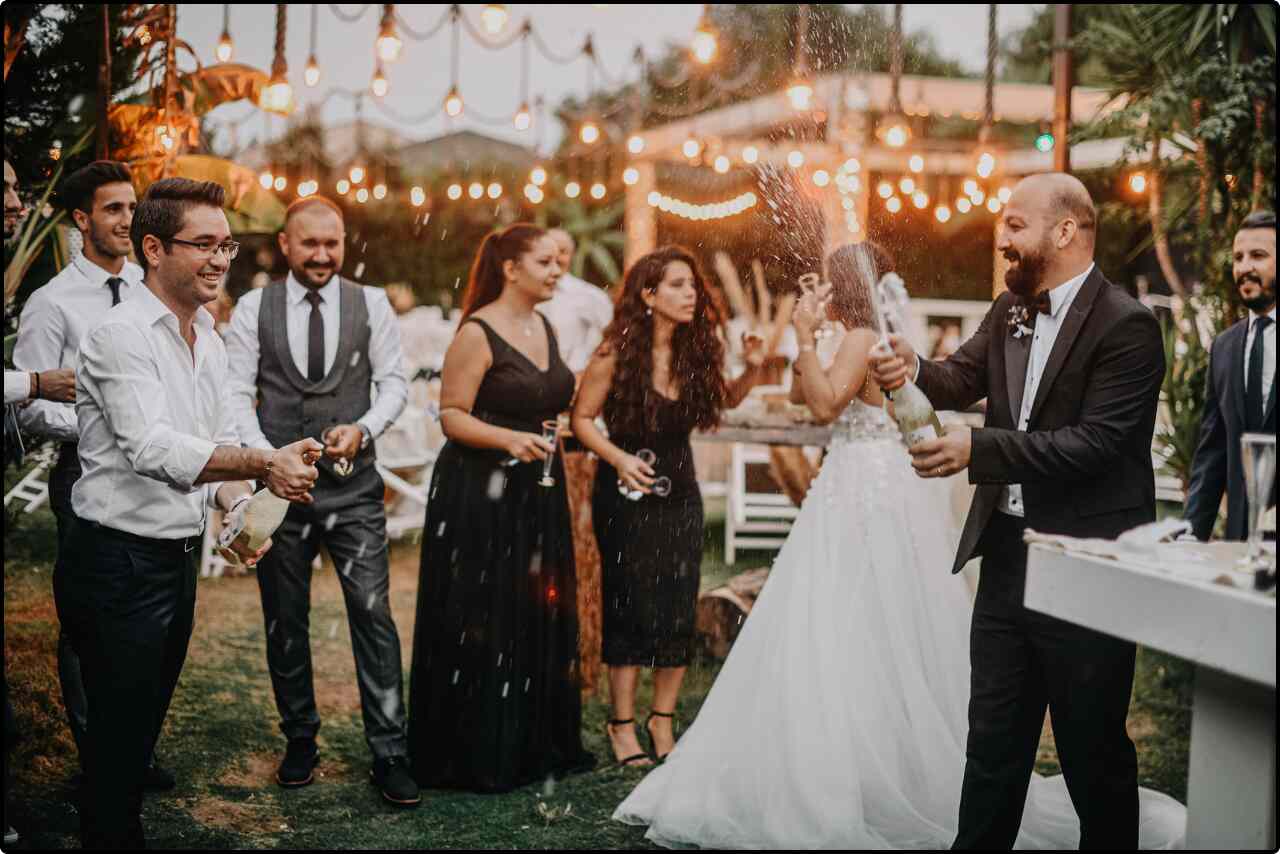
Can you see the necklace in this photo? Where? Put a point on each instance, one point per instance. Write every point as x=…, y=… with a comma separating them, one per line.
x=526, y=325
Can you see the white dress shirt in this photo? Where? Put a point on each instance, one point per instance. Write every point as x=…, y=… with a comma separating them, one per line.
x=1046, y=332
x=17, y=386
x=579, y=313
x=151, y=414
x=53, y=321
x=243, y=347
x=1268, y=354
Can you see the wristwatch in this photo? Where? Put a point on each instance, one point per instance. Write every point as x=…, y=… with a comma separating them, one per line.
x=365, y=436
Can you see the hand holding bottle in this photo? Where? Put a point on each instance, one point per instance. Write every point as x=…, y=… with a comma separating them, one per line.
x=893, y=365
x=291, y=471
x=235, y=542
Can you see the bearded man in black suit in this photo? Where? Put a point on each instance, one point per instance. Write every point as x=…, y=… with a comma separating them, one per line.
x=1071, y=367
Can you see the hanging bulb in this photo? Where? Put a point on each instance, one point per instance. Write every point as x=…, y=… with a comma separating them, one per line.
x=630, y=176
x=894, y=130
x=453, y=103
x=362, y=195
x=379, y=84
x=523, y=119
x=344, y=187
x=750, y=154
x=281, y=183
x=589, y=132
x=417, y=196
x=357, y=174
x=493, y=17
x=455, y=192
x=388, y=44
x=475, y=190
x=597, y=191
x=312, y=73
x=265, y=179
x=635, y=143
x=225, y=49
x=572, y=189
x=986, y=164
x=494, y=190
x=704, y=42
x=277, y=96
x=691, y=147
x=800, y=94
x=538, y=176
x=721, y=164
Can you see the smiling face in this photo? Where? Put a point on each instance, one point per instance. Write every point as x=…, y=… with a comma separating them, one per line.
x=189, y=275
x=535, y=272
x=1253, y=266
x=313, y=243
x=676, y=296
x=1025, y=242
x=106, y=225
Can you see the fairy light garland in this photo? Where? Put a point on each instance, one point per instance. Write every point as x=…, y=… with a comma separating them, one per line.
x=715, y=210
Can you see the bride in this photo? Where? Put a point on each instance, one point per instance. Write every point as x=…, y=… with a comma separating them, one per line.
x=839, y=718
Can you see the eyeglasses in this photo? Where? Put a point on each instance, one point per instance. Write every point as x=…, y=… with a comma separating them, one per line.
x=208, y=247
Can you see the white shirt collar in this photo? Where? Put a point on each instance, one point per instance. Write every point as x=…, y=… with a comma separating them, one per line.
x=97, y=275
x=298, y=291
x=1062, y=295
x=152, y=309
x=1253, y=315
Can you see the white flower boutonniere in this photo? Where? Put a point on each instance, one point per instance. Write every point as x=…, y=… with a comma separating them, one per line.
x=1019, y=320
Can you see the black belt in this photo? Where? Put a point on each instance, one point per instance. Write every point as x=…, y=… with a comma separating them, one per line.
x=187, y=544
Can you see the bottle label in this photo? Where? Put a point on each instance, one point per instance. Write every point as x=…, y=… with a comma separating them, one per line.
x=921, y=434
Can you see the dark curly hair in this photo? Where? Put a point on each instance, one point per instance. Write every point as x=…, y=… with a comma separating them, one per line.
x=697, y=352
x=849, y=268
x=485, y=282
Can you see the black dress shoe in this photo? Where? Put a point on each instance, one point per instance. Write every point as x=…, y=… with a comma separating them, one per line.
x=299, y=764
x=158, y=779
x=391, y=776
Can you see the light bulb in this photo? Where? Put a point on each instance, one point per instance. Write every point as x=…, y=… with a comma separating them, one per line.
x=722, y=164
x=493, y=17
x=635, y=144
x=276, y=97
x=523, y=119
x=225, y=49
x=630, y=176
x=851, y=165
x=532, y=193
x=453, y=103
x=379, y=191
x=455, y=191
x=589, y=132
x=907, y=186
x=538, y=176
x=1004, y=195
x=357, y=174
x=653, y=198
x=942, y=213
x=388, y=45
x=572, y=189
x=1138, y=182
x=379, y=85
x=362, y=195
x=821, y=178
x=476, y=190
x=795, y=159
x=691, y=148
x=266, y=179
x=494, y=190
x=897, y=136
x=916, y=163
x=704, y=44
x=417, y=196
x=894, y=205
x=311, y=75
x=970, y=186
x=800, y=94
x=885, y=189
x=986, y=164
x=963, y=205
x=597, y=190
x=344, y=187
x=750, y=154
x=993, y=204
x=281, y=183
x=920, y=199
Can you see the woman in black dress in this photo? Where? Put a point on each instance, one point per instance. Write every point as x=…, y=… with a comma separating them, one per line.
x=658, y=375
x=494, y=689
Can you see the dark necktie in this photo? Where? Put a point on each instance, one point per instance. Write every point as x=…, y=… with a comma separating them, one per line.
x=114, y=283
x=1039, y=303
x=1253, y=412
x=315, y=339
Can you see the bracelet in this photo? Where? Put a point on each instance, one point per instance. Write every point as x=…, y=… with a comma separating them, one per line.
x=36, y=374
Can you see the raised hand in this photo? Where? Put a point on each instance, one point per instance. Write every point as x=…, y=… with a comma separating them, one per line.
x=892, y=366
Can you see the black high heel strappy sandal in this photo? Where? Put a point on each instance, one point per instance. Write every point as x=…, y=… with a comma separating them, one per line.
x=626, y=761
x=652, y=746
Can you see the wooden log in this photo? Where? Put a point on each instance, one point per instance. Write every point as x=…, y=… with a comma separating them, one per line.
x=579, y=476
x=721, y=611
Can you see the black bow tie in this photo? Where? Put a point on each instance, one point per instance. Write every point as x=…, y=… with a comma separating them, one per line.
x=1040, y=302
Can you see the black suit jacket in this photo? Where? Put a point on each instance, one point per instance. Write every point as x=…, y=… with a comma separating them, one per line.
x=1217, y=464
x=1084, y=461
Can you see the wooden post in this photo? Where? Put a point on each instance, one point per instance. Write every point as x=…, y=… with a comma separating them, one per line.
x=640, y=217
x=999, y=264
x=1061, y=86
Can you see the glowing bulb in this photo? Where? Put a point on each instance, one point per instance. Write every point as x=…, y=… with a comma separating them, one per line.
x=920, y=199
x=654, y=198
x=916, y=163
x=1138, y=182
x=907, y=186
x=942, y=213
x=597, y=190
x=476, y=190
x=344, y=187
x=894, y=205
x=847, y=203
x=897, y=136
x=691, y=148
x=532, y=193
x=630, y=176
x=453, y=103
x=281, y=183
x=266, y=179
x=800, y=94
x=884, y=189
x=978, y=197
x=225, y=49
x=795, y=159
x=852, y=165
x=986, y=164
x=572, y=189
x=722, y=164
x=362, y=195
x=704, y=44
x=276, y=97
x=970, y=186
x=821, y=178
x=963, y=205
x=538, y=176
x=455, y=191
x=493, y=17
x=379, y=85
x=379, y=191
x=589, y=132
x=357, y=174
x=750, y=154
x=635, y=144
x=494, y=190
x=993, y=204
x=523, y=120
x=1004, y=195
x=311, y=75
x=389, y=44
x=417, y=197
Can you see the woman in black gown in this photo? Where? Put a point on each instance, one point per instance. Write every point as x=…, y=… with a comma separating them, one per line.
x=658, y=376
x=494, y=689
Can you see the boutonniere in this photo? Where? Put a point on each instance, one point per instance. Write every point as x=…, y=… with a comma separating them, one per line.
x=1019, y=320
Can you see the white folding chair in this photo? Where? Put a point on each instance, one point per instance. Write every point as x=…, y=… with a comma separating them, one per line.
x=758, y=520
x=33, y=489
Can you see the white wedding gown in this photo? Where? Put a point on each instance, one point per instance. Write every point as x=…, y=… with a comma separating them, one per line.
x=839, y=718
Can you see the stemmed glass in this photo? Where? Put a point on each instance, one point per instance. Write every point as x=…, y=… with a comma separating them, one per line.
x=811, y=283
x=1258, y=452
x=342, y=466
x=661, y=486
x=550, y=432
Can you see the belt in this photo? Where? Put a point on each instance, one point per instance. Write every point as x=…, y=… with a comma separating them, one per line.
x=187, y=544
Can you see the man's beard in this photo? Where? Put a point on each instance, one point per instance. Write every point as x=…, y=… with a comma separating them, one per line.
x=100, y=244
x=303, y=273
x=1023, y=279
x=1265, y=299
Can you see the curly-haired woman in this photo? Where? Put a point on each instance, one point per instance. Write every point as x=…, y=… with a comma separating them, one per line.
x=658, y=375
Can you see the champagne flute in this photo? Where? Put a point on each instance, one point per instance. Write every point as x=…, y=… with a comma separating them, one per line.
x=650, y=459
x=809, y=284
x=342, y=466
x=1258, y=452
x=551, y=433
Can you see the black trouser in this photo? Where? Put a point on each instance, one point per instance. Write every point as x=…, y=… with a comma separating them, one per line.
x=350, y=520
x=1023, y=661
x=128, y=603
x=64, y=475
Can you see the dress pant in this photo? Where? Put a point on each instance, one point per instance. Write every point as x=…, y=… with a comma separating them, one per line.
x=1022, y=661
x=349, y=518
x=127, y=602
x=64, y=475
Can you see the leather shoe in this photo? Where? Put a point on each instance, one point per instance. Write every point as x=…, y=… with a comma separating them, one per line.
x=298, y=767
x=158, y=779
x=391, y=776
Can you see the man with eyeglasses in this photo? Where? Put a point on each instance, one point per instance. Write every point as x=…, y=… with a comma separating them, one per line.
x=158, y=445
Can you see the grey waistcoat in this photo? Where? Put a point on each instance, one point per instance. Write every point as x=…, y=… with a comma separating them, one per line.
x=291, y=408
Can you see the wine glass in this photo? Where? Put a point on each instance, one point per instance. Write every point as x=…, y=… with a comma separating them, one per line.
x=650, y=459
x=342, y=466
x=1258, y=452
x=809, y=284
x=550, y=432
x=662, y=487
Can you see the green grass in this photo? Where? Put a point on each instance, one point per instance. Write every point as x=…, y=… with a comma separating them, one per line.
x=222, y=742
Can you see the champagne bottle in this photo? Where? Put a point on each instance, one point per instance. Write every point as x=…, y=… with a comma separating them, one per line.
x=252, y=522
x=912, y=410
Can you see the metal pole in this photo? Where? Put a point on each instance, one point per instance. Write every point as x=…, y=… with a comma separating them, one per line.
x=1061, y=86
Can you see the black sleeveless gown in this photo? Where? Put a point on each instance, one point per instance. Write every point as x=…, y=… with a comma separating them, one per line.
x=651, y=549
x=494, y=696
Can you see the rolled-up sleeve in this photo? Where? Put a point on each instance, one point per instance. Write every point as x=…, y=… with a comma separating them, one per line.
x=39, y=348
x=17, y=386
x=118, y=369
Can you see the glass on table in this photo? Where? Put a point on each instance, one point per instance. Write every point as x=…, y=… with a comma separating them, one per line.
x=1258, y=453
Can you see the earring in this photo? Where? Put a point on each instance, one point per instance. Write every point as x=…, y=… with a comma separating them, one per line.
x=648, y=312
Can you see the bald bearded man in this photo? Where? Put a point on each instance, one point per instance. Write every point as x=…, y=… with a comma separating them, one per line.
x=1071, y=367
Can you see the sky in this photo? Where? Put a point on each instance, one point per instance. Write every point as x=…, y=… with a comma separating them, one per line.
x=490, y=80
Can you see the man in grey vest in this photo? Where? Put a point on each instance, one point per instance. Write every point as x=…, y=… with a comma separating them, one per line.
x=307, y=350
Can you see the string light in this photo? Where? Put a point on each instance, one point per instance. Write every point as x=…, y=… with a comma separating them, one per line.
x=894, y=131
x=795, y=159
x=977, y=197
x=821, y=178
x=589, y=132
x=281, y=183
x=225, y=49
x=1004, y=195
x=476, y=190
x=597, y=190
x=884, y=189
x=453, y=103
x=970, y=186
x=493, y=17
x=704, y=40
x=852, y=165
x=532, y=193
x=572, y=189
x=417, y=197
x=920, y=199
x=379, y=191
x=344, y=187
x=630, y=176
x=357, y=174
x=523, y=118
x=635, y=144
x=311, y=75
x=362, y=195
x=1138, y=183
x=916, y=163
x=379, y=84
x=907, y=186
x=494, y=190
x=721, y=164
x=942, y=213
x=307, y=188
x=993, y=204
x=716, y=210
x=894, y=204
x=963, y=205
x=266, y=179
x=691, y=147
x=538, y=176
x=750, y=154
x=455, y=191
x=986, y=164
x=800, y=94
x=388, y=44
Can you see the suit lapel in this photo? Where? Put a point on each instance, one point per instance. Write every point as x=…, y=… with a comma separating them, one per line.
x=1077, y=314
x=1236, y=366
x=1017, y=353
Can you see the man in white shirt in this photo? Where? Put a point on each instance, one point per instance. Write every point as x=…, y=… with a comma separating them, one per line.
x=101, y=200
x=156, y=441
x=1240, y=389
x=579, y=311
x=307, y=351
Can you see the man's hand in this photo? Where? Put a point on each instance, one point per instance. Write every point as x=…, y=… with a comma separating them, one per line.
x=238, y=551
x=943, y=456
x=893, y=367
x=58, y=385
x=342, y=442
x=291, y=471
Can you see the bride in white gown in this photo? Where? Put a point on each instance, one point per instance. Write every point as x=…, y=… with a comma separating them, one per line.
x=839, y=718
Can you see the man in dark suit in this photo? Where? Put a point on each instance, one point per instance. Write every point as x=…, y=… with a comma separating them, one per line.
x=1240, y=391
x=1071, y=368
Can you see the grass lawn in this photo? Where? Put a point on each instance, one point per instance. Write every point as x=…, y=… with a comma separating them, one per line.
x=222, y=741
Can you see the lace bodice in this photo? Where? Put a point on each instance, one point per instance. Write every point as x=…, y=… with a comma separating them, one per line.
x=862, y=422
